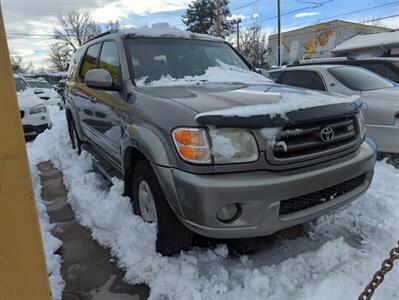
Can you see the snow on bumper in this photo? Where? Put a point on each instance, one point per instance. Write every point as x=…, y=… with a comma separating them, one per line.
x=196, y=198
x=34, y=124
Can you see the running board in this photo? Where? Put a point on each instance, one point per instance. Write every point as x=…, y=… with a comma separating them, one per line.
x=101, y=164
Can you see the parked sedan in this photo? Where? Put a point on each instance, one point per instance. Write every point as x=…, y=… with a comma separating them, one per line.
x=49, y=94
x=379, y=95
x=34, y=113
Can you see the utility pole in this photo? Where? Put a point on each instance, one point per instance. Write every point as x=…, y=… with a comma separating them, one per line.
x=278, y=34
x=218, y=20
x=238, y=21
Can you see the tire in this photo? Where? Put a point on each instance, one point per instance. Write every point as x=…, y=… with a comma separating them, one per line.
x=73, y=135
x=172, y=236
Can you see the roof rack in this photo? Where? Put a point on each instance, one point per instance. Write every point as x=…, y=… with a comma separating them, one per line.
x=100, y=35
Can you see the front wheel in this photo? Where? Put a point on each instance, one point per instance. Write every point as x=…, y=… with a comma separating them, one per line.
x=150, y=203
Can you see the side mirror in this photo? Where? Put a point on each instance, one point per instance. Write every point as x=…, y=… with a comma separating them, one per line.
x=38, y=91
x=99, y=79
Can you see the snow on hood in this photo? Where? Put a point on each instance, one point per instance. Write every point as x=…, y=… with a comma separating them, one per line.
x=165, y=30
x=219, y=74
x=284, y=103
x=27, y=99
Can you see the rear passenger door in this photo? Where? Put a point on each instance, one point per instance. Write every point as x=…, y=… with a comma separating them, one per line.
x=304, y=79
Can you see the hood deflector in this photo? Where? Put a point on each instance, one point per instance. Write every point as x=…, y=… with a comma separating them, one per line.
x=318, y=113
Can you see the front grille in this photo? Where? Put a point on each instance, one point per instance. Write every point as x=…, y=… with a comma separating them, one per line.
x=22, y=113
x=306, y=201
x=311, y=140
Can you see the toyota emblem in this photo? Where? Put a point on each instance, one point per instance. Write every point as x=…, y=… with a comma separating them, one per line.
x=327, y=134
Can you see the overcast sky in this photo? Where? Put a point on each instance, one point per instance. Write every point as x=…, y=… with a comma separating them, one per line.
x=38, y=16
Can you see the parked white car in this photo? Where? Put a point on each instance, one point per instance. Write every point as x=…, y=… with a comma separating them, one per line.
x=379, y=95
x=34, y=113
x=49, y=95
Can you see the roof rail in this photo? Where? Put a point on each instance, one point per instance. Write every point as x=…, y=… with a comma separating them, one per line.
x=100, y=35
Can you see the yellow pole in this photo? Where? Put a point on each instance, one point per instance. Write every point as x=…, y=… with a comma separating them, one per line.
x=23, y=272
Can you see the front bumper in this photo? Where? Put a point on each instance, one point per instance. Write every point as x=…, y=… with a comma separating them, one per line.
x=34, y=124
x=196, y=198
x=385, y=136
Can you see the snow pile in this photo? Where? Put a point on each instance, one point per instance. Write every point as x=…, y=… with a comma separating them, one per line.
x=165, y=30
x=222, y=146
x=51, y=243
x=334, y=259
x=223, y=73
x=286, y=102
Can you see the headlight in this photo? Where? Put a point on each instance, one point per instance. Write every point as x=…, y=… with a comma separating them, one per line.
x=41, y=108
x=362, y=124
x=232, y=145
x=226, y=145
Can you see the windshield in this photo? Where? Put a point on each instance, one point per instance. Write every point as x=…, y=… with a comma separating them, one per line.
x=20, y=84
x=359, y=79
x=40, y=84
x=172, y=59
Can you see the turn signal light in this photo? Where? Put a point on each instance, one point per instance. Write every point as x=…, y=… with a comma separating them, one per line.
x=192, y=144
x=190, y=137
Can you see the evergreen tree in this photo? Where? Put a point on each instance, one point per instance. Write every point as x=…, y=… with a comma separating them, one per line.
x=226, y=26
x=200, y=17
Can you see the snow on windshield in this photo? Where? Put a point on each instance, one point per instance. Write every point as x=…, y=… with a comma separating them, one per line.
x=284, y=103
x=223, y=73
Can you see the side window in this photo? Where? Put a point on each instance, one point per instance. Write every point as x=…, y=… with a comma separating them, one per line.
x=109, y=60
x=73, y=64
x=317, y=83
x=274, y=75
x=89, y=60
x=301, y=79
x=381, y=69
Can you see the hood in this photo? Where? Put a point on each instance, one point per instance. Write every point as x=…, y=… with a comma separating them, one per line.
x=27, y=99
x=390, y=94
x=260, y=103
x=48, y=92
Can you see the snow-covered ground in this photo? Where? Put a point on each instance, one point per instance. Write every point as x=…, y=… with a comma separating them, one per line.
x=333, y=259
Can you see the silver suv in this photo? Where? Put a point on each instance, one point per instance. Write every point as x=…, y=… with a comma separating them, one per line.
x=204, y=143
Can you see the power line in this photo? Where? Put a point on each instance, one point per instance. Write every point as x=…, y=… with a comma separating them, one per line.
x=340, y=15
x=261, y=21
x=245, y=5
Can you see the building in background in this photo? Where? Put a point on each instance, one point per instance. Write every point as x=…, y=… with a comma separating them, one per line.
x=316, y=41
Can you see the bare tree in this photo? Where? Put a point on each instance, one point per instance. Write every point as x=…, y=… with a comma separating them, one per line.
x=71, y=31
x=18, y=65
x=59, y=56
x=112, y=25
x=253, y=44
x=75, y=28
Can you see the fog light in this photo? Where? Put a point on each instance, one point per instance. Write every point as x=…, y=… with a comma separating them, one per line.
x=228, y=213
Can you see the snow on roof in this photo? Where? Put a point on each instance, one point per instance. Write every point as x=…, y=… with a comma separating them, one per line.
x=165, y=30
x=368, y=40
